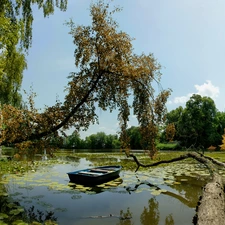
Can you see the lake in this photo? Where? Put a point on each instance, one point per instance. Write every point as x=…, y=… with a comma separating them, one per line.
x=157, y=196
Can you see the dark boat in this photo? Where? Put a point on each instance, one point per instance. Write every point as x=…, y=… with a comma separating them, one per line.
x=97, y=175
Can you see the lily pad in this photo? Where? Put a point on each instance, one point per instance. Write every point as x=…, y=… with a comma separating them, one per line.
x=15, y=212
x=78, y=186
x=168, y=181
x=3, y=216
x=36, y=223
x=184, y=179
x=101, y=185
x=19, y=222
x=111, y=184
x=156, y=192
x=49, y=222
x=10, y=205
x=71, y=184
x=176, y=182
x=3, y=194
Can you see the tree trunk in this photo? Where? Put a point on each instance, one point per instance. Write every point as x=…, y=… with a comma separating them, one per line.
x=210, y=209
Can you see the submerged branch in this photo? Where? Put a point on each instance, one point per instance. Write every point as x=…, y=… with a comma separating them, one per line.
x=169, y=193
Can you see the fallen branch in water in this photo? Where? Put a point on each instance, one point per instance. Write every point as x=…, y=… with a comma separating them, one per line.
x=199, y=157
x=211, y=206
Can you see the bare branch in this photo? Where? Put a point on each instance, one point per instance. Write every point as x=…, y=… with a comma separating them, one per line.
x=199, y=157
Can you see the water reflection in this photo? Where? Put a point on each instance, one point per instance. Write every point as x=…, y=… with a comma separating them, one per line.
x=150, y=213
x=189, y=198
x=31, y=215
x=96, y=188
x=47, y=188
x=169, y=220
x=189, y=188
x=125, y=217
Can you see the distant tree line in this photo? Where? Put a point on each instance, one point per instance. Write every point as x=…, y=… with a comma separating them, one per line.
x=198, y=125
x=99, y=140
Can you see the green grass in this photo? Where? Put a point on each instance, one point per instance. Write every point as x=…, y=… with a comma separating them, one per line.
x=168, y=146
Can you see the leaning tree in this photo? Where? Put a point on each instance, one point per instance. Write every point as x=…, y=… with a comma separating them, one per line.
x=109, y=74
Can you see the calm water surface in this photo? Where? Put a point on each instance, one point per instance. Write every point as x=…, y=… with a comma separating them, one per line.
x=47, y=189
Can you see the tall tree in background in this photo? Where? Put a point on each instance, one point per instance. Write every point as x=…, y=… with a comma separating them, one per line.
x=174, y=117
x=219, y=126
x=199, y=124
x=198, y=121
x=109, y=73
x=134, y=137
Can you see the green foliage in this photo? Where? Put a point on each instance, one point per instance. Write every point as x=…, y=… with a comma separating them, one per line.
x=134, y=135
x=20, y=12
x=16, y=18
x=12, y=66
x=72, y=141
x=219, y=126
x=199, y=124
x=12, y=60
x=198, y=119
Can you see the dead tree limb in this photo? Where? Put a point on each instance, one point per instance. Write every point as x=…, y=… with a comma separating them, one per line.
x=215, y=161
x=210, y=210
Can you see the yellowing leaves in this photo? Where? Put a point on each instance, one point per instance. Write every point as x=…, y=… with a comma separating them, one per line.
x=109, y=72
x=170, y=131
x=222, y=147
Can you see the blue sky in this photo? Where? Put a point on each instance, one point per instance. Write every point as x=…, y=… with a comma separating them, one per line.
x=187, y=37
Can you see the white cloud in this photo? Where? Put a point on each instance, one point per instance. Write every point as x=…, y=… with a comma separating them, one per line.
x=182, y=99
x=206, y=89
